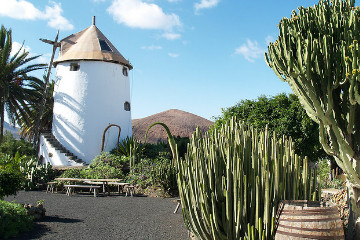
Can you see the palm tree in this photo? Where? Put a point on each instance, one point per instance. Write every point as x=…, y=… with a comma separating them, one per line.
x=15, y=83
x=27, y=123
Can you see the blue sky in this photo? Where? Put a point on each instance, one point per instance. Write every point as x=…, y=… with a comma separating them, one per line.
x=198, y=56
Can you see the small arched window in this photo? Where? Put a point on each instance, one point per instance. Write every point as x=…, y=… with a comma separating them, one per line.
x=127, y=106
x=125, y=71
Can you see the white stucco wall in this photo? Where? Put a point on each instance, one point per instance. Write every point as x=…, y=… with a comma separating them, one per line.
x=86, y=102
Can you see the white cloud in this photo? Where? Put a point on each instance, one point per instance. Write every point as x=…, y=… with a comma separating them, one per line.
x=24, y=10
x=139, y=14
x=152, y=47
x=174, y=0
x=45, y=58
x=171, y=36
x=250, y=50
x=56, y=20
x=19, y=9
x=16, y=46
x=173, y=55
x=205, y=4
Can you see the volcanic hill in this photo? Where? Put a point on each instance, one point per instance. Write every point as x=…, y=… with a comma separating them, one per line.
x=180, y=123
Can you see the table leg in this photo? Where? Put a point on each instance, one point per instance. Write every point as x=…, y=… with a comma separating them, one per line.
x=177, y=206
x=108, y=188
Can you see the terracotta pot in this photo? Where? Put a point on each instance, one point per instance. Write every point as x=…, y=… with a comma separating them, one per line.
x=308, y=220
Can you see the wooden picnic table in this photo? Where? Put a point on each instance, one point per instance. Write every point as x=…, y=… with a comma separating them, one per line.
x=104, y=182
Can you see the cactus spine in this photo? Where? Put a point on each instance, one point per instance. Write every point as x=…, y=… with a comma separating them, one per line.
x=317, y=53
x=232, y=180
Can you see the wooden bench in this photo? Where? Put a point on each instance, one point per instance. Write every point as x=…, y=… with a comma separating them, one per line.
x=120, y=185
x=50, y=186
x=97, y=183
x=91, y=187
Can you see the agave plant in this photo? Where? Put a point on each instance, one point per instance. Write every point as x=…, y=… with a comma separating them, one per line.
x=128, y=146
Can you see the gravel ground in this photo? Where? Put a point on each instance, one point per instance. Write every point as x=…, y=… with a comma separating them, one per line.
x=82, y=216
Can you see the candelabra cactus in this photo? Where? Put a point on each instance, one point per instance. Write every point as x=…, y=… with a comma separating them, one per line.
x=317, y=53
x=231, y=181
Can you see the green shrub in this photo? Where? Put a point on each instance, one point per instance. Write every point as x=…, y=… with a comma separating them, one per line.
x=10, y=182
x=71, y=173
x=104, y=165
x=36, y=174
x=102, y=171
x=33, y=173
x=154, y=172
x=11, y=146
x=113, y=160
x=11, y=178
x=163, y=150
x=284, y=115
x=13, y=219
x=327, y=179
x=9, y=162
x=153, y=151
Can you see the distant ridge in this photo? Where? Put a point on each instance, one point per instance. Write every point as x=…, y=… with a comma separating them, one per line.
x=180, y=123
x=12, y=130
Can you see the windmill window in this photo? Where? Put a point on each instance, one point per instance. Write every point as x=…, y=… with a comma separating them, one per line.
x=127, y=106
x=125, y=71
x=74, y=67
x=104, y=46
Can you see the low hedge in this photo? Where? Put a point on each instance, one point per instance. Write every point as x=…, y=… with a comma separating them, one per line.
x=13, y=219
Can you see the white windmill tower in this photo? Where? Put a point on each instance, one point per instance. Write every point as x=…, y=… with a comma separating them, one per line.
x=92, y=92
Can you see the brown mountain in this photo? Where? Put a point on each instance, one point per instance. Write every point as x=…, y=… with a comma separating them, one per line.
x=180, y=123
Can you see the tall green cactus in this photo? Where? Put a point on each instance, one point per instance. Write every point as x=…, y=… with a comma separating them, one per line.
x=232, y=180
x=317, y=53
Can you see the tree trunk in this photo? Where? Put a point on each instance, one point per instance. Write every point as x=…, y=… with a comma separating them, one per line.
x=1, y=120
x=353, y=231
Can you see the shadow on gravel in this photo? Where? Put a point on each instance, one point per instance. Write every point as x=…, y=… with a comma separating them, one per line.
x=59, y=219
x=40, y=229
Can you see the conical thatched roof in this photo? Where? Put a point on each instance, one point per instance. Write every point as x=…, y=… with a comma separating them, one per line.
x=180, y=123
x=90, y=44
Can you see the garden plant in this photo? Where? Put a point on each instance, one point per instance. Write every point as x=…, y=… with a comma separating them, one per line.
x=232, y=180
x=284, y=115
x=317, y=54
x=13, y=219
x=15, y=80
